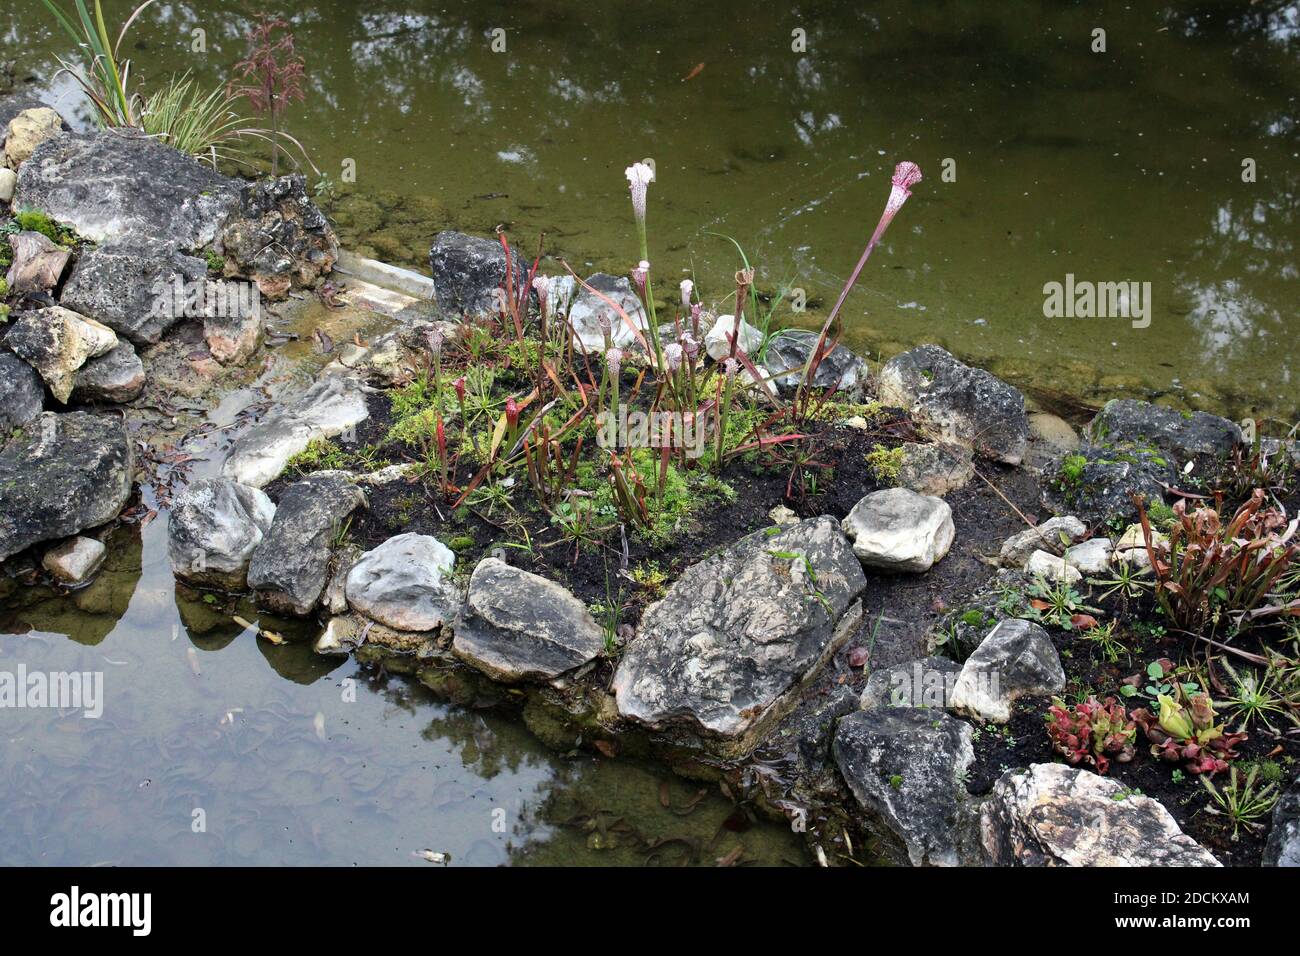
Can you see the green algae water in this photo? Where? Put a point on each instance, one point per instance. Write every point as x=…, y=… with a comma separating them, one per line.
x=1169, y=158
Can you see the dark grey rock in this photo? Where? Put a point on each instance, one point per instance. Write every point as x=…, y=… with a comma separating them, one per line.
x=115, y=376
x=68, y=472
x=278, y=237
x=133, y=285
x=467, y=271
x=724, y=650
x=1283, y=846
x=404, y=583
x=955, y=402
x=214, y=527
x=113, y=184
x=1017, y=659
x=927, y=682
x=1054, y=815
x=519, y=626
x=1200, y=437
x=1098, y=484
x=906, y=767
x=841, y=369
x=22, y=394
x=290, y=567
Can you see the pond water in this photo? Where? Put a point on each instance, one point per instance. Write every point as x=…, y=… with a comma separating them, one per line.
x=1115, y=166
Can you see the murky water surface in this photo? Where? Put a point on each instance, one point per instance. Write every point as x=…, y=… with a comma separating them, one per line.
x=1119, y=166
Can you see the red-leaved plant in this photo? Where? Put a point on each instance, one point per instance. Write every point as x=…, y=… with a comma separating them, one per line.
x=1087, y=733
x=273, y=73
x=1184, y=732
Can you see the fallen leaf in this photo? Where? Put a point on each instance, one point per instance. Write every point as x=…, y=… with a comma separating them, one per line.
x=1083, y=621
x=607, y=747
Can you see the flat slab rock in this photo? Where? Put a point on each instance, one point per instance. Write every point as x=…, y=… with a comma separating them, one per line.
x=957, y=403
x=899, y=530
x=721, y=653
x=1054, y=815
x=519, y=626
x=906, y=767
x=67, y=473
x=291, y=565
x=405, y=583
x=331, y=406
x=110, y=184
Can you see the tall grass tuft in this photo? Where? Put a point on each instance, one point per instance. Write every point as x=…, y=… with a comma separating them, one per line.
x=104, y=78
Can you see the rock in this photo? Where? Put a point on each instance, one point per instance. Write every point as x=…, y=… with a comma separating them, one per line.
x=405, y=583
x=906, y=768
x=1099, y=484
x=782, y=516
x=75, y=561
x=519, y=626
x=935, y=469
x=57, y=342
x=112, y=184
x=927, y=682
x=115, y=376
x=1131, y=548
x=717, y=341
x=1052, y=431
x=278, y=238
x=1044, y=537
x=1205, y=439
x=8, y=180
x=139, y=287
x=899, y=530
x=28, y=130
x=841, y=369
x=1054, y=815
x=335, y=598
x=22, y=396
x=330, y=407
x=1090, y=557
x=38, y=263
x=725, y=650
x=957, y=403
x=290, y=566
x=587, y=308
x=1052, y=568
x=233, y=335
x=67, y=473
x=1283, y=846
x=214, y=527
x=468, y=271
x=396, y=356
x=1017, y=659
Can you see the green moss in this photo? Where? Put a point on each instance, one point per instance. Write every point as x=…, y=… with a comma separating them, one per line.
x=324, y=455
x=461, y=543
x=1161, y=515
x=1072, y=469
x=216, y=262
x=33, y=220
x=885, y=462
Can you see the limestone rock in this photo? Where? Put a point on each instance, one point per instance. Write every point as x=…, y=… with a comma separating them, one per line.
x=38, y=263
x=587, y=308
x=1202, y=438
x=233, y=335
x=278, y=237
x=405, y=582
x=57, y=342
x=290, y=566
x=519, y=626
x=1052, y=568
x=789, y=351
x=468, y=271
x=1283, y=846
x=1054, y=815
x=113, y=184
x=724, y=651
x=1090, y=557
x=139, y=287
x=935, y=469
x=717, y=341
x=28, y=130
x=68, y=472
x=927, y=682
x=214, y=527
x=899, y=530
x=115, y=376
x=22, y=395
x=957, y=403
x=906, y=768
x=1017, y=659
x=331, y=406
x=75, y=561
x=1047, y=537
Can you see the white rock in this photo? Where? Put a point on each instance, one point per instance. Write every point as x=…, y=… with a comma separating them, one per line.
x=1045, y=537
x=76, y=560
x=1131, y=547
x=1091, y=556
x=1052, y=567
x=28, y=130
x=8, y=179
x=214, y=527
x=1015, y=660
x=899, y=530
x=588, y=306
x=404, y=583
x=717, y=341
